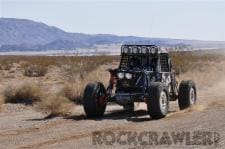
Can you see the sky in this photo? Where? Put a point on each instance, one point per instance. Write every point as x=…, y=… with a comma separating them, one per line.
x=180, y=19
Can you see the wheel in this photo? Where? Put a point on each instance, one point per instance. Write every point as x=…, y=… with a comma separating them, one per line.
x=187, y=94
x=94, y=100
x=129, y=107
x=158, y=102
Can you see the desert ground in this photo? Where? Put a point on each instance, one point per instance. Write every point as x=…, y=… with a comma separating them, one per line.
x=42, y=109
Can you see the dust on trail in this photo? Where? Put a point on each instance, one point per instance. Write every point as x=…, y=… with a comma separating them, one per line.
x=210, y=82
x=195, y=108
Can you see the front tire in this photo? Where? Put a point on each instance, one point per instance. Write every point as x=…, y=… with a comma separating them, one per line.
x=94, y=100
x=187, y=94
x=158, y=102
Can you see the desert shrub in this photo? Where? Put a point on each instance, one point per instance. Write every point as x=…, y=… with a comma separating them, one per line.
x=46, y=61
x=26, y=93
x=73, y=91
x=82, y=66
x=80, y=72
x=34, y=70
x=187, y=61
x=6, y=66
x=55, y=105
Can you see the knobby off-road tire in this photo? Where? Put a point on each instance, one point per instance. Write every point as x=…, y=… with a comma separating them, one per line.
x=94, y=100
x=187, y=95
x=158, y=100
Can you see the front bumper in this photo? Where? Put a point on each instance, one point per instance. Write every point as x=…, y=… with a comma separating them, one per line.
x=124, y=98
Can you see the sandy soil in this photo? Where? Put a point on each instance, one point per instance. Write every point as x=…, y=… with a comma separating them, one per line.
x=23, y=127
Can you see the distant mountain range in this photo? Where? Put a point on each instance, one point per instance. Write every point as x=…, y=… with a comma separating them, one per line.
x=27, y=35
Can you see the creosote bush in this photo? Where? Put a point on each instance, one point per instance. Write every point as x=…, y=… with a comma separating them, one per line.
x=73, y=92
x=6, y=66
x=55, y=104
x=74, y=89
x=34, y=71
x=26, y=93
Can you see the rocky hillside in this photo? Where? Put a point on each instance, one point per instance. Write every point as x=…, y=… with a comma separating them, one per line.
x=27, y=35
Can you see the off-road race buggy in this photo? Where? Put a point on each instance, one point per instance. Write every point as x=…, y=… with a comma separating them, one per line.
x=145, y=74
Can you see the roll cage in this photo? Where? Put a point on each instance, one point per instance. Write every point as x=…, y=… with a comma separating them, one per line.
x=148, y=59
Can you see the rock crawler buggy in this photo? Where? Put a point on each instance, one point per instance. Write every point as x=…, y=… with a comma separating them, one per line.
x=145, y=74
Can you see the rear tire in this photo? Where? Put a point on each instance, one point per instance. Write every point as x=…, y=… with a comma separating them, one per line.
x=187, y=94
x=94, y=100
x=158, y=102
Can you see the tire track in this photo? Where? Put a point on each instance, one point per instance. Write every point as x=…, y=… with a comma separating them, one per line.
x=30, y=130
x=74, y=137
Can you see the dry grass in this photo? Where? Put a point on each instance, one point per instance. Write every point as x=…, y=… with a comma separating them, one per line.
x=47, y=61
x=205, y=73
x=73, y=91
x=74, y=88
x=26, y=93
x=80, y=73
x=80, y=67
x=205, y=69
x=74, y=64
x=6, y=66
x=187, y=61
x=1, y=101
x=55, y=105
x=34, y=70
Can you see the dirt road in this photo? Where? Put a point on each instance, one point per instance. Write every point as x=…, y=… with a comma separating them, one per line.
x=23, y=127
